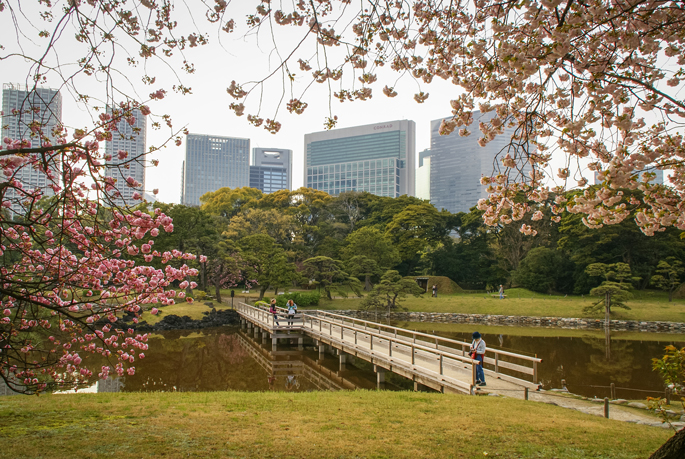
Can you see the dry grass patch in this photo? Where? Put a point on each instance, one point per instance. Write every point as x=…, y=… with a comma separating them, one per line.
x=303, y=425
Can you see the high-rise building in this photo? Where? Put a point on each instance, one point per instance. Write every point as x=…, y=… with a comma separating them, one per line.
x=377, y=158
x=214, y=162
x=22, y=110
x=271, y=169
x=458, y=163
x=423, y=176
x=130, y=139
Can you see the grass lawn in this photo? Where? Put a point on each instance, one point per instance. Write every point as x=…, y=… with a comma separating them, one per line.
x=310, y=425
x=646, y=305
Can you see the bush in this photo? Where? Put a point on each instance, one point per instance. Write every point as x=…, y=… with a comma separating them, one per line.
x=199, y=295
x=301, y=299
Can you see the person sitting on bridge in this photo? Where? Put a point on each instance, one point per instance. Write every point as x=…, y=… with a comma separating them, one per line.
x=478, y=353
x=274, y=311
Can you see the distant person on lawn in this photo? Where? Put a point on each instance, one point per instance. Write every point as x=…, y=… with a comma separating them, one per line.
x=478, y=353
x=501, y=292
x=435, y=291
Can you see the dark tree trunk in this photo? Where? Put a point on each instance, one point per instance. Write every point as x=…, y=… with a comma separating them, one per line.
x=203, y=276
x=276, y=290
x=217, y=289
x=674, y=448
x=262, y=291
x=367, y=283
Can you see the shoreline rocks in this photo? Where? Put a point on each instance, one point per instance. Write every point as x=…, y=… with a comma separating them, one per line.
x=212, y=319
x=525, y=321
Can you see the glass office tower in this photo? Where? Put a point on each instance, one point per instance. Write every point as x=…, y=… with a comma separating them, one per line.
x=132, y=139
x=458, y=163
x=271, y=169
x=378, y=158
x=21, y=108
x=214, y=162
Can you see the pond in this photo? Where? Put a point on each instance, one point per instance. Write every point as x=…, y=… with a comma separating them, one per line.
x=228, y=358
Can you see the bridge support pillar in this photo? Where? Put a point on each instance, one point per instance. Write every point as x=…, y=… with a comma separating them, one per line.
x=322, y=350
x=380, y=377
x=255, y=332
x=418, y=386
x=300, y=343
x=343, y=360
x=274, y=343
x=264, y=336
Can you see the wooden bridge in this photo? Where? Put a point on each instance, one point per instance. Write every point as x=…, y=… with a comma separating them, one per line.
x=439, y=363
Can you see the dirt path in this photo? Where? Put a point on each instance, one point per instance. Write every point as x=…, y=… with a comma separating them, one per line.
x=616, y=412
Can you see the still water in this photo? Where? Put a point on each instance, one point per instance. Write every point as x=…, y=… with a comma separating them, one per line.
x=231, y=359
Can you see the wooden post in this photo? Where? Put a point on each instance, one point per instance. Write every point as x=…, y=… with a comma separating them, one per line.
x=613, y=391
x=413, y=361
x=606, y=407
x=535, y=371
x=525, y=393
x=389, y=348
x=496, y=362
x=441, y=361
x=473, y=371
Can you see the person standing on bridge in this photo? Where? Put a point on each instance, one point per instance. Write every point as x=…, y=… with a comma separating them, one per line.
x=478, y=353
x=274, y=311
x=292, y=310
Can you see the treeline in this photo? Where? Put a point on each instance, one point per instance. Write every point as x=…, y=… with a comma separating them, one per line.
x=307, y=237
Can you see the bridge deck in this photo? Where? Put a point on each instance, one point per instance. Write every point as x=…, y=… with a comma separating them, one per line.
x=439, y=363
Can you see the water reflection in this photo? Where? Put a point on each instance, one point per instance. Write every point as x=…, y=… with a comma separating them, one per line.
x=229, y=359
x=588, y=363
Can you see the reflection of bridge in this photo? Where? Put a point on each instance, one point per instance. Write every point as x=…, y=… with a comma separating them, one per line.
x=288, y=363
x=439, y=363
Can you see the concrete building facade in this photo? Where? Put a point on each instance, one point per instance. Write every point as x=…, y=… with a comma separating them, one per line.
x=271, y=169
x=132, y=139
x=458, y=163
x=214, y=162
x=377, y=158
x=21, y=109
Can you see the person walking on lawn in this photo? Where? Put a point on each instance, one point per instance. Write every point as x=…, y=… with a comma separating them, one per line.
x=478, y=353
x=501, y=292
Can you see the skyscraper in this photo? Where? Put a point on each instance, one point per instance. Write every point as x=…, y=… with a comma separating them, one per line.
x=131, y=139
x=378, y=158
x=458, y=163
x=23, y=109
x=214, y=162
x=271, y=169
x=423, y=176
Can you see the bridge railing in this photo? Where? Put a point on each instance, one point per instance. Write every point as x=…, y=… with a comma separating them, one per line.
x=392, y=347
x=498, y=359
x=262, y=315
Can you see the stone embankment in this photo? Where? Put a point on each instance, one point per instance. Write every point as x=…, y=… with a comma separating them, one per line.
x=520, y=321
x=212, y=319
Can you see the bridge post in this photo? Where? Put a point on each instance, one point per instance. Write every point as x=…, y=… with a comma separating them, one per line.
x=264, y=335
x=343, y=360
x=300, y=343
x=274, y=343
x=380, y=377
x=322, y=350
x=255, y=332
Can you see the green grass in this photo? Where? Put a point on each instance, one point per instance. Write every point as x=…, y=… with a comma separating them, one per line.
x=310, y=425
x=646, y=305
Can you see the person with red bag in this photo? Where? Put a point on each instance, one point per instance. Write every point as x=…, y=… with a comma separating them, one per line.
x=478, y=353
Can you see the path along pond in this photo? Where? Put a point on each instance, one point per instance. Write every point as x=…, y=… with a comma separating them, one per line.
x=228, y=358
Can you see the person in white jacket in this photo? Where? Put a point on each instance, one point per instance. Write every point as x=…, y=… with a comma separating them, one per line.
x=478, y=353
